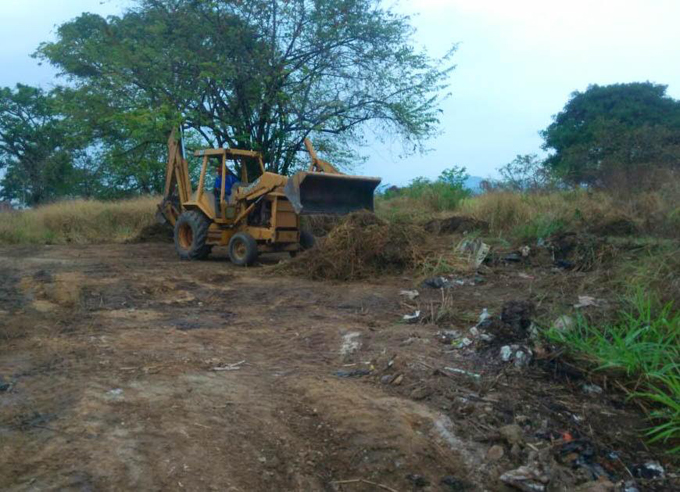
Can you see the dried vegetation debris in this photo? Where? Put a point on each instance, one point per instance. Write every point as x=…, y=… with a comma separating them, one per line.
x=361, y=246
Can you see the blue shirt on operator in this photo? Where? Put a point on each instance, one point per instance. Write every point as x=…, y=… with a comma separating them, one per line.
x=229, y=182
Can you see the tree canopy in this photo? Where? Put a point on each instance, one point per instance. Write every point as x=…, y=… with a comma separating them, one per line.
x=262, y=74
x=607, y=131
x=35, y=150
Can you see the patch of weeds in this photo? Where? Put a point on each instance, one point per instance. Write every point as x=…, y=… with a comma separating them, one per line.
x=442, y=264
x=641, y=348
x=542, y=226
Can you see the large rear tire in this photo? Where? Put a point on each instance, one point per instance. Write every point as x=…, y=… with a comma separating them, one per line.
x=191, y=236
x=242, y=249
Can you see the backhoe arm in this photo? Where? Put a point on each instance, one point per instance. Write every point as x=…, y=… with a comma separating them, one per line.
x=177, y=184
x=319, y=164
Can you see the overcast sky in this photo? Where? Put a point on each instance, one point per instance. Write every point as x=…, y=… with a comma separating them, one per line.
x=517, y=63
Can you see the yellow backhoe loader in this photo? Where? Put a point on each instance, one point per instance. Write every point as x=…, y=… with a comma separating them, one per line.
x=261, y=213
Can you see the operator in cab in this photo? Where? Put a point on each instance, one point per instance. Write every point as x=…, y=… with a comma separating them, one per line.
x=230, y=181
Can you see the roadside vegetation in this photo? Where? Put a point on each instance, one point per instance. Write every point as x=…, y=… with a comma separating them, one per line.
x=79, y=222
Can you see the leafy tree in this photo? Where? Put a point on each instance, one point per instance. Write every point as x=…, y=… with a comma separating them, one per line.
x=608, y=131
x=36, y=152
x=454, y=176
x=526, y=173
x=261, y=74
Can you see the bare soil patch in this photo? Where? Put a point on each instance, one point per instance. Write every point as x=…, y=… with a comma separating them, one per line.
x=125, y=368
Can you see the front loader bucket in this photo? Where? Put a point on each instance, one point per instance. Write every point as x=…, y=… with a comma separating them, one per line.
x=333, y=194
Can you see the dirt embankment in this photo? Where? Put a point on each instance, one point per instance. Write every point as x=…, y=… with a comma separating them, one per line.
x=123, y=368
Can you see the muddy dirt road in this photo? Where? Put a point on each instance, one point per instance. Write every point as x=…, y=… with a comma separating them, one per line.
x=125, y=369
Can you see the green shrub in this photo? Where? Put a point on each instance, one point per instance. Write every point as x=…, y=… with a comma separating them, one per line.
x=445, y=193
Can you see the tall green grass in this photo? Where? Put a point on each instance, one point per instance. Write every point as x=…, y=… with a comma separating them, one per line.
x=643, y=348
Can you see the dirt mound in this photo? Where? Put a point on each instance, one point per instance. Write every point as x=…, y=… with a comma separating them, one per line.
x=361, y=246
x=618, y=226
x=582, y=252
x=154, y=233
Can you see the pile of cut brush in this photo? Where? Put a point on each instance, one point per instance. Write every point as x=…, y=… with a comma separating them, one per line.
x=361, y=246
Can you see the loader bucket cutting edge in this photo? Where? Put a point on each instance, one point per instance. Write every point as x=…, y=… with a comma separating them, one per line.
x=333, y=194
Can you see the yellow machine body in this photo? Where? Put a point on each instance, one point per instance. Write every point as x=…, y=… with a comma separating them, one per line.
x=266, y=207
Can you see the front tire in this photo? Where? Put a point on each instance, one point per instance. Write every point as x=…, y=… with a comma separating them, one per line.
x=307, y=240
x=242, y=249
x=191, y=236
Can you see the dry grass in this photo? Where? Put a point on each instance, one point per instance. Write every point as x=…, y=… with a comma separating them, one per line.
x=79, y=221
x=650, y=213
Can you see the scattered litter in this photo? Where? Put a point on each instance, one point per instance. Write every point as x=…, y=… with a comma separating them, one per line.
x=350, y=343
x=525, y=276
x=461, y=371
x=525, y=250
x=411, y=294
x=464, y=342
x=387, y=378
x=115, y=394
x=564, y=264
x=651, y=469
x=630, y=486
x=483, y=317
x=436, y=282
x=512, y=258
x=449, y=283
x=397, y=381
x=592, y=389
x=474, y=331
x=453, y=483
x=418, y=480
x=587, y=301
x=448, y=337
x=534, y=331
x=527, y=478
x=4, y=386
x=564, y=323
x=580, y=453
x=475, y=250
x=519, y=355
x=412, y=318
x=230, y=367
x=354, y=373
